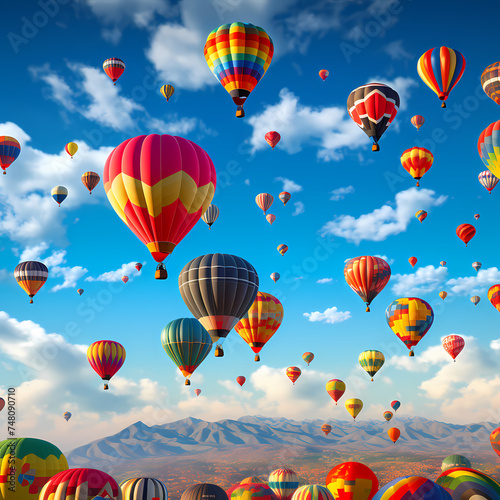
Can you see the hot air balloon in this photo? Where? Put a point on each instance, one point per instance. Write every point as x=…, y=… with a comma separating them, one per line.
x=335, y=388
x=197, y=392
x=81, y=484
x=272, y=138
x=475, y=299
x=29, y=463
x=270, y=218
x=417, y=161
x=442, y=263
x=417, y=121
x=453, y=345
x=490, y=80
x=412, y=261
x=210, y=216
x=114, y=68
x=285, y=196
x=167, y=91
x=71, y=148
x=354, y=406
x=282, y=249
x=421, y=215
x=367, y=276
x=440, y=69
x=67, y=416
x=275, y=277
x=173, y=183
x=218, y=289
x=373, y=107
x=238, y=54
x=443, y=294
x=241, y=380
x=251, y=491
x=106, y=357
x=187, y=344
x=138, y=266
x=476, y=216
x=2, y=403
x=143, y=488
x=264, y=201
x=308, y=357
x=31, y=276
x=59, y=193
x=388, y=415
x=161, y=272
x=412, y=487
x=464, y=483
x=312, y=492
x=326, y=429
x=90, y=180
x=293, y=373
x=323, y=74
x=410, y=319
x=494, y=296
x=488, y=146
x=125, y=279
x=452, y=461
x=494, y=441
x=9, y=151
x=371, y=361
x=352, y=481
x=477, y=266
x=488, y=180
x=466, y=232
x=283, y=482
x=260, y=322
x=395, y=405
x=80, y=291
x=393, y=434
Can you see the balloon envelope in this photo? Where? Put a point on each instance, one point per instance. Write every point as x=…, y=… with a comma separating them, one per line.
x=272, y=138
x=393, y=434
x=90, y=180
x=412, y=487
x=114, y=68
x=395, y=405
x=490, y=80
x=465, y=483
x=283, y=482
x=417, y=161
x=264, y=201
x=466, y=232
x=452, y=461
x=352, y=481
x=335, y=388
x=488, y=147
x=308, y=357
x=417, y=121
x=354, y=406
x=142, y=488
x=293, y=373
x=31, y=276
x=9, y=151
x=106, y=357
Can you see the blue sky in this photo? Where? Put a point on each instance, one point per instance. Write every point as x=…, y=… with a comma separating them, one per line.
x=346, y=201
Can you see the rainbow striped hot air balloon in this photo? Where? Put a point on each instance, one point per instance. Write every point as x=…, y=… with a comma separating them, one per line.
x=417, y=121
x=31, y=276
x=421, y=215
x=106, y=357
x=239, y=54
x=335, y=388
x=488, y=147
x=283, y=482
x=462, y=482
x=440, y=69
x=9, y=151
x=282, y=249
x=264, y=201
x=293, y=373
x=412, y=487
x=308, y=357
x=312, y=492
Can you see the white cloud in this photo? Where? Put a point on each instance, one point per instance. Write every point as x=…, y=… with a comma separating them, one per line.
x=396, y=51
x=339, y=193
x=247, y=182
x=174, y=127
x=383, y=257
x=289, y=185
x=324, y=280
x=495, y=344
x=402, y=85
x=424, y=280
x=384, y=221
x=422, y=361
x=331, y=315
x=299, y=208
x=112, y=276
x=70, y=274
x=476, y=283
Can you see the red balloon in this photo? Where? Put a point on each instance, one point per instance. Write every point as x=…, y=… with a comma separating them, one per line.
x=466, y=232
x=453, y=345
x=412, y=261
x=241, y=380
x=138, y=266
x=495, y=440
x=124, y=279
x=272, y=138
x=323, y=74
x=352, y=480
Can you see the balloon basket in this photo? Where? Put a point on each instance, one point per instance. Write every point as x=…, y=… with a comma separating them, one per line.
x=375, y=147
x=240, y=113
x=443, y=105
x=106, y=387
x=219, y=353
x=257, y=357
x=411, y=354
x=187, y=382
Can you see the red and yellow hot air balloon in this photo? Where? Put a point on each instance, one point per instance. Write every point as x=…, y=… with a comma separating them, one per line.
x=106, y=357
x=270, y=218
x=417, y=121
x=90, y=180
x=494, y=296
x=354, y=406
x=417, y=161
x=335, y=388
x=326, y=428
x=9, y=151
x=160, y=186
x=285, y=196
x=443, y=294
x=495, y=440
x=71, y=148
x=125, y=279
x=367, y=276
x=197, y=392
x=323, y=74
x=453, y=345
x=412, y=261
x=394, y=434
x=239, y=54
x=138, y=266
x=440, y=69
x=352, y=481
x=488, y=147
x=490, y=80
x=466, y=232
x=260, y=322
x=293, y=373
x=241, y=380
x=31, y=276
x=167, y=91
x=308, y=357
x=114, y=68
x=264, y=201
x=421, y=215
x=388, y=415
x=272, y=138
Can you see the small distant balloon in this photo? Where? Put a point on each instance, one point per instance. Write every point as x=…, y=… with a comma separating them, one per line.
x=275, y=277
x=285, y=197
x=477, y=266
x=326, y=429
x=210, y=215
x=476, y=216
x=466, y=232
x=80, y=291
x=264, y=201
x=475, y=299
x=124, y=279
x=354, y=406
x=308, y=357
x=323, y=74
x=270, y=218
x=197, y=392
x=71, y=148
x=412, y=261
x=167, y=91
x=388, y=415
x=282, y=249
x=453, y=345
x=394, y=434
x=67, y=416
x=138, y=266
x=114, y=68
x=335, y=389
x=421, y=215
x=443, y=294
x=59, y=193
x=272, y=138
x=293, y=373
x=241, y=380
x=90, y=180
x=417, y=121
x=417, y=161
x=442, y=263
x=488, y=180
x=395, y=405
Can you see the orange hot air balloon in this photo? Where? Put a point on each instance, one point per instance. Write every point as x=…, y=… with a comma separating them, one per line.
x=417, y=161
x=335, y=388
x=241, y=380
x=323, y=74
x=326, y=429
x=270, y=218
x=453, y=345
x=394, y=434
x=272, y=138
x=160, y=186
x=417, y=121
x=443, y=294
x=308, y=357
x=197, y=392
x=293, y=373
x=495, y=440
x=264, y=201
x=412, y=261
x=466, y=232
x=285, y=197
x=367, y=276
x=90, y=180
x=494, y=296
x=106, y=357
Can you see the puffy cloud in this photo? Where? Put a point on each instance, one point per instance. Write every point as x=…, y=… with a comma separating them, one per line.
x=384, y=221
x=324, y=280
x=289, y=185
x=495, y=344
x=70, y=274
x=424, y=280
x=247, y=182
x=331, y=315
x=339, y=193
x=299, y=208
x=476, y=283
x=396, y=51
x=112, y=276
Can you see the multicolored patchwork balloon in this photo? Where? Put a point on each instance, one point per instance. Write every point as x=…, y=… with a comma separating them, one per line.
x=283, y=482
x=352, y=481
x=488, y=147
x=463, y=482
x=412, y=487
x=106, y=357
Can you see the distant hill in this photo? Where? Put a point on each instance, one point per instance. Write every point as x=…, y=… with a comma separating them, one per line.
x=192, y=437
